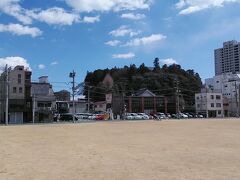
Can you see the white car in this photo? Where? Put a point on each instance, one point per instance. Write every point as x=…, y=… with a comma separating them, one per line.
x=129, y=116
x=92, y=117
x=161, y=116
x=183, y=115
x=136, y=116
x=144, y=116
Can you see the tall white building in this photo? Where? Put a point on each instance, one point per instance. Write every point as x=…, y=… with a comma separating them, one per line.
x=227, y=58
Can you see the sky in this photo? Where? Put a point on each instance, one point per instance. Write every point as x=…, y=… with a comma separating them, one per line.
x=54, y=37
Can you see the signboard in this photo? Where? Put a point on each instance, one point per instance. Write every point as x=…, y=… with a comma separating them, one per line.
x=109, y=98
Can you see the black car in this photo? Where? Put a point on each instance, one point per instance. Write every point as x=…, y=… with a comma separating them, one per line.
x=67, y=117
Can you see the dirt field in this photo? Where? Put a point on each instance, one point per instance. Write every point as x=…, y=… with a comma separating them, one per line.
x=145, y=150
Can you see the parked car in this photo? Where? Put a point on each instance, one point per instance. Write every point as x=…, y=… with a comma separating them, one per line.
x=144, y=116
x=136, y=116
x=129, y=116
x=161, y=116
x=68, y=117
x=168, y=115
x=92, y=117
x=193, y=115
x=83, y=115
x=175, y=116
x=99, y=117
x=182, y=115
x=200, y=116
x=189, y=115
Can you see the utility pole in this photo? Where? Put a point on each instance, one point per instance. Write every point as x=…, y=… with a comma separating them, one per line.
x=72, y=75
x=177, y=98
x=236, y=96
x=7, y=94
x=33, y=110
x=89, y=98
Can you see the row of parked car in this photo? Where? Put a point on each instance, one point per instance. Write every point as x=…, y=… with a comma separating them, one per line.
x=81, y=116
x=127, y=116
x=159, y=116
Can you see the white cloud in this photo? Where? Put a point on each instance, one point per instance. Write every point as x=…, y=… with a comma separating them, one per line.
x=51, y=16
x=54, y=63
x=123, y=31
x=168, y=61
x=41, y=66
x=146, y=40
x=108, y=5
x=13, y=62
x=192, y=6
x=133, y=16
x=12, y=8
x=123, y=56
x=54, y=16
x=113, y=43
x=180, y=4
x=18, y=29
x=93, y=19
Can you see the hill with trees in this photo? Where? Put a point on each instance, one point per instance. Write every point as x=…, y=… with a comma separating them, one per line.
x=165, y=80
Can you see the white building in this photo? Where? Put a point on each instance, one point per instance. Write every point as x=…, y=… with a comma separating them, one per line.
x=227, y=84
x=209, y=104
x=80, y=106
x=227, y=58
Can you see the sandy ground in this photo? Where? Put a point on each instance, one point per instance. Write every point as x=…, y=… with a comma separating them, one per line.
x=145, y=150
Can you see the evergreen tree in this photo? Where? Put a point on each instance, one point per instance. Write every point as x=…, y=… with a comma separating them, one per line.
x=156, y=64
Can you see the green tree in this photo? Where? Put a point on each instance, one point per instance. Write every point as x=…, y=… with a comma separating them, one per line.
x=156, y=64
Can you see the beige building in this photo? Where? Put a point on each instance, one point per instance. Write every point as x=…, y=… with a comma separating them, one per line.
x=209, y=104
x=20, y=103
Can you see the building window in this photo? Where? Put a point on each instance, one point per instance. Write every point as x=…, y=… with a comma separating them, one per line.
x=219, y=112
x=198, y=105
x=49, y=105
x=212, y=96
x=14, y=90
x=19, y=78
x=40, y=105
x=219, y=105
x=28, y=105
x=20, y=90
x=218, y=97
x=212, y=104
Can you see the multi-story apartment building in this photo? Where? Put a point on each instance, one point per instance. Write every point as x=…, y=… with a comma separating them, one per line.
x=20, y=102
x=227, y=58
x=44, y=100
x=210, y=104
x=228, y=84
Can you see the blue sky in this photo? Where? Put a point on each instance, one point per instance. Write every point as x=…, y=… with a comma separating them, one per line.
x=57, y=36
